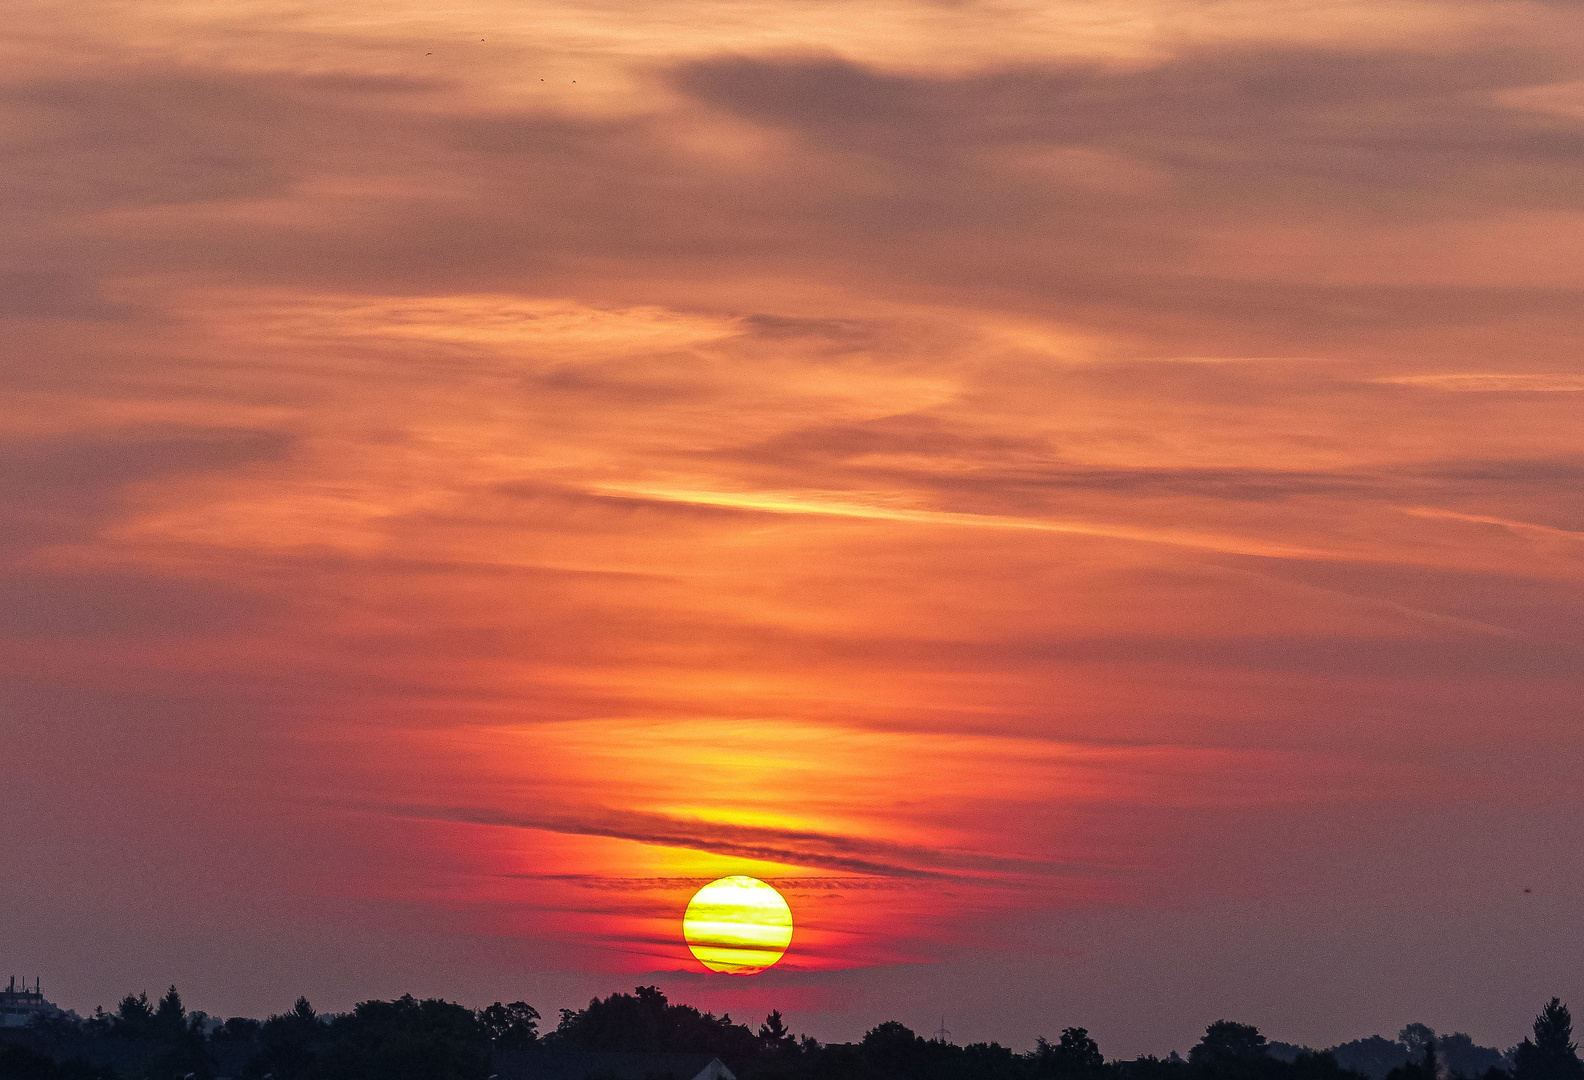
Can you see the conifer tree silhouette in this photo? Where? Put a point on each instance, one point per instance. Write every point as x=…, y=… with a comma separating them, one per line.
x=1551, y=1054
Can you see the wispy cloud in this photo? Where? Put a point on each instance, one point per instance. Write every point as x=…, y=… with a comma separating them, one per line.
x=1493, y=382
x=778, y=503
x=858, y=855
x=800, y=883
x=1523, y=527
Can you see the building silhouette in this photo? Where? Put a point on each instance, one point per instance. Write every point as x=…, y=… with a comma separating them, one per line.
x=19, y=1005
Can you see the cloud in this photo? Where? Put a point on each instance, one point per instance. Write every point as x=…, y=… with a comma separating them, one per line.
x=858, y=855
x=1076, y=186
x=988, y=466
x=793, y=503
x=1493, y=382
x=1249, y=129
x=33, y=294
x=186, y=136
x=125, y=605
x=1505, y=523
x=63, y=487
x=801, y=883
x=1555, y=474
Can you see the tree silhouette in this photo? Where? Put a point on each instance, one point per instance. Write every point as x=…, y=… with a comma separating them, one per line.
x=1230, y=1049
x=1075, y=1055
x=288, y=1043
x=1317, y=1065
x=646, y=1022
x=170, y=1016
x=1374, y=1056
x=1461, y=1057
x=513, y=1027
x=237, y=1029
x=892, y=1049
x=409, y=1039
x=1424, y=1069
x=405, y=1039
x=21, y=1063
x=1150, y=1067
x=1414, y=1037
x=1551, y=1054
x=774, y=1036
x=134, y=1017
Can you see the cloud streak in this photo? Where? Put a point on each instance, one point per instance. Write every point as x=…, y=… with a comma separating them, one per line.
x=774, y=503
x=792, y=847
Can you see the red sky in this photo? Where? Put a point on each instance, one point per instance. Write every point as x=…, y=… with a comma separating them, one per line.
x=1085, y=498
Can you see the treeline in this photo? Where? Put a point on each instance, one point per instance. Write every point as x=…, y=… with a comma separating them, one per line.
x=409, y=1039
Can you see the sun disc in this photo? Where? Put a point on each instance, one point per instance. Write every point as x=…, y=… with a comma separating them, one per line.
x=737, y=925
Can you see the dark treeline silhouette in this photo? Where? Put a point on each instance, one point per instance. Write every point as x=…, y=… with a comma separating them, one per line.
x=1375, y=1057
x=409, y=1039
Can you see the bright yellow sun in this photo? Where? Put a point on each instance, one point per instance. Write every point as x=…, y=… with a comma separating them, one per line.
x=738, y=925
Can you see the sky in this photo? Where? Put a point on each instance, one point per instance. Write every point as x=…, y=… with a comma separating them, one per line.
x=1087, y=499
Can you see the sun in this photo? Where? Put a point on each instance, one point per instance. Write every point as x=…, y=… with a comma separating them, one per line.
x=738, y=925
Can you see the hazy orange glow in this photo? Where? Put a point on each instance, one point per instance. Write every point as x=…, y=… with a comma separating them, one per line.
x=1084, y=500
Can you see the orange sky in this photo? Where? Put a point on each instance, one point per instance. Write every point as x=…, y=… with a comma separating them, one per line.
x=1084, y=498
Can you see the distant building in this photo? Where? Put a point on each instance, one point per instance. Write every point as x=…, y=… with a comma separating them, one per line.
x=19, y=1005
x=549, y=1065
